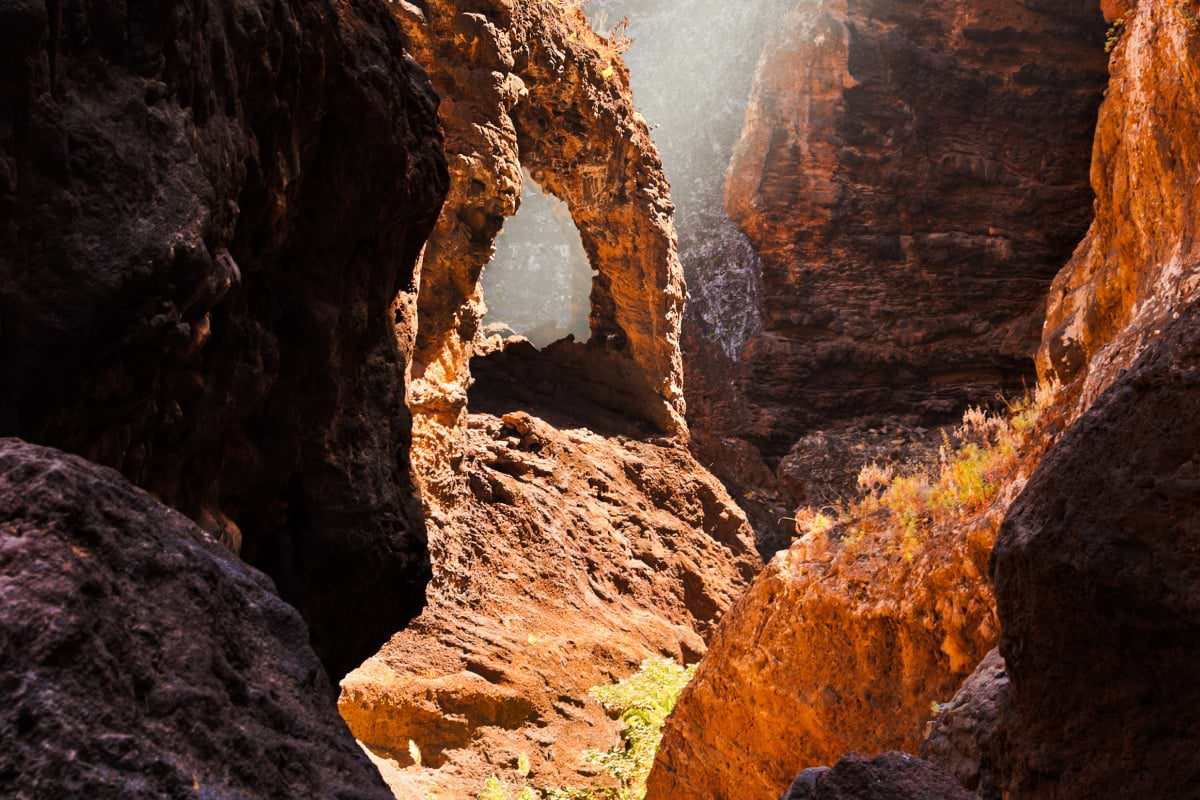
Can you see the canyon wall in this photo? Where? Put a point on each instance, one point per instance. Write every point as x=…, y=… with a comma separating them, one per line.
x=571, y=532
x=141, y=660
x=1095, y=565
x=897, y=174
x=897, y=171
x=209, y=210
x=1087, y=700
x=1136, y=269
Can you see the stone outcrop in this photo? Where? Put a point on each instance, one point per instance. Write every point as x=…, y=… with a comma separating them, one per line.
x=912, y=175
x=1096, y=587
x=958, y=738
x=530, y=85
x=839, y=646
x=1138, y=265
x=208, y=211
x=140, y=660
x=571, y=533
x=579, y=555
x=891, y=776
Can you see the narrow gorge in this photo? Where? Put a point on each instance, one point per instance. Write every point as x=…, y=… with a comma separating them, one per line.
x=584, y=399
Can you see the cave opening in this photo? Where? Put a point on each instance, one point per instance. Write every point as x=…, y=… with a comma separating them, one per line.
x=538, y=283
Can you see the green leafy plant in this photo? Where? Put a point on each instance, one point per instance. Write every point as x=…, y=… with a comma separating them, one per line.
x=642, y=702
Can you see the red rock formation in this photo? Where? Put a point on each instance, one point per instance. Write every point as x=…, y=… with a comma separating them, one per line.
x=530, y=85
x=831, y=651
x=912, y=175
x=140, y=660
x=578, y=555
x=1138, y=265
x=1096, y=586
x=207, y=212
x=570, y=538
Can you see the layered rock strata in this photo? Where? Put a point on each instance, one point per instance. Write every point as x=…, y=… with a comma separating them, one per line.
x=912, y=176
x=140, y=660
x=208, y=212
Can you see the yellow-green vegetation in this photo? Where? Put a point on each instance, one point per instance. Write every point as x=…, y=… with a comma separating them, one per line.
x=975, y=463
x=642, y=702
x=1113, y=35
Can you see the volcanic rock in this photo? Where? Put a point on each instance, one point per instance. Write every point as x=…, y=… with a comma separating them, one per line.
x=1097, y=590
x=207, y=212
x=891, y=776
x=141, y=660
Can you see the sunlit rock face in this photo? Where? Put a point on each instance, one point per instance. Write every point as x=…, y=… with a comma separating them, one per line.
x=912, y=176
x=571, y=531
x=209, y=210
x=1140, y=263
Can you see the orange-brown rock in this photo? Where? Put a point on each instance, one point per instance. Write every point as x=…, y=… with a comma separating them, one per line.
x=578, y=554
x=839, y=646
x=912, y=174
x=207, y=211
x=1138, y=265
x=530, y=85
x=571, y=533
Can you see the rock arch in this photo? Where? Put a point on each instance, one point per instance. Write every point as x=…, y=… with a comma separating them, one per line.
x=538, y=89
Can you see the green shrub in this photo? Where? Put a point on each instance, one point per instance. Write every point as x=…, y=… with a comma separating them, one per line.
x=642, y=702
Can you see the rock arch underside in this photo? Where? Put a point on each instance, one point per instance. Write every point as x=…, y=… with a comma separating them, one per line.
x=278, y=517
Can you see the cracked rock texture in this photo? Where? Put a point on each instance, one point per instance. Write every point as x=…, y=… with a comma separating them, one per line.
x=1137, y=267
x=957, y=738
x=141, y=660
x=1097, y=590
x=912, y=175
x=891, y=776
x=207, y=211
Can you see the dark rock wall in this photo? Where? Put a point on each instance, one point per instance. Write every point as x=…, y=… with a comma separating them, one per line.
x=140, y=660
x=1096, y=574
x=207, y=211
x=912, y=175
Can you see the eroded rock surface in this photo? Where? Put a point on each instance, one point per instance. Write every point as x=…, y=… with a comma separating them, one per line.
x=530, y=85
x=912, y=175
x=580, y=554
x=891, y=776
x=209, y=209
x=1138, y=265
x=572, y=535
x=1096, y=586
x=140, y=659
x=838, y=647
x=958, y=738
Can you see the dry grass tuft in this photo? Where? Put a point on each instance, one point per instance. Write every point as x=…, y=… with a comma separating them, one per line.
x=979, y=469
